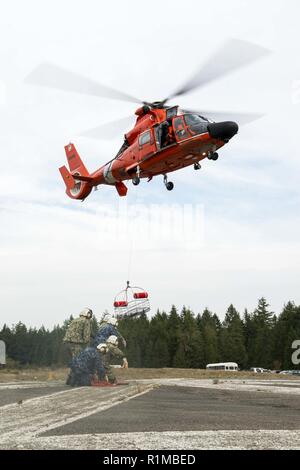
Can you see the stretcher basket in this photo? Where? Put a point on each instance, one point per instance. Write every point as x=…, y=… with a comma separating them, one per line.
x=131, y=302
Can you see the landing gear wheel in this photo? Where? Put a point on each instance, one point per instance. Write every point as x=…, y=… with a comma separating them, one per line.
x=214, y=156
x=136, y=180
x=197, y=166
x=168, y=184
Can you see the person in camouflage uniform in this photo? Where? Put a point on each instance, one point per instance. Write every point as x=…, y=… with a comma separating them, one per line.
x=109, y=351
x=84, y=367
x=107, y=328
x=78, y=334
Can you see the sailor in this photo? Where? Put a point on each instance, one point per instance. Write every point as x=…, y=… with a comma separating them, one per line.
x=85, y=367
x=78, y=334
x=109, y=352
x=107, y=328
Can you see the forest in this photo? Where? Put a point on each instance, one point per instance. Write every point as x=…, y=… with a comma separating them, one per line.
x=179, y=339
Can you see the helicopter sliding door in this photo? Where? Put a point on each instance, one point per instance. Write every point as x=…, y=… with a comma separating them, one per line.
x=147, y=144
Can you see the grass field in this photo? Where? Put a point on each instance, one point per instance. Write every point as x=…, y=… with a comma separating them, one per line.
x=48, y=374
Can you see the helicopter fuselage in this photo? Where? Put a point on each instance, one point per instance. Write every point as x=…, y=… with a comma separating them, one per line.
x=162, y=141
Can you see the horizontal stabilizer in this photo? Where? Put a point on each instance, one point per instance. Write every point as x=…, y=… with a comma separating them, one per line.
x=67, y=177
x=87, y=179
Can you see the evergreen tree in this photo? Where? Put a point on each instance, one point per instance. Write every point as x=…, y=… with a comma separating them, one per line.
x=175, y=340
x=19, y=347
x=262, y=347
x=156, y=353
x=209, y=330
x=232, y=338
x=173, y=328
x=180, y=360
x=249, y=335
x=286, y=331
x=194, y=346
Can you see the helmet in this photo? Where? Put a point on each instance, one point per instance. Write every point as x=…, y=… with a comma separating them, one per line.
x=105, y=316
x=102, y=347
x=86, y=312
x=112, y=340
x=110, y=319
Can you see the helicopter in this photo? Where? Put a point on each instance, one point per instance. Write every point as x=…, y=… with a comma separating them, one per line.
x=164, y=138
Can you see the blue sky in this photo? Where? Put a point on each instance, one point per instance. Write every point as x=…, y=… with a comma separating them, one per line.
x=59, y=255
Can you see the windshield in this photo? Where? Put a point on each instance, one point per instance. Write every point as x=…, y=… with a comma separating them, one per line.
x=196, y=124
x=194, y=119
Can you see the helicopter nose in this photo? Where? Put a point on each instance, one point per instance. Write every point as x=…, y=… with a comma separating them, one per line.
x=223, y=130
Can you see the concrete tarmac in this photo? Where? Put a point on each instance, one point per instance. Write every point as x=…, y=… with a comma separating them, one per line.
x=20, y=394
x=158, y=414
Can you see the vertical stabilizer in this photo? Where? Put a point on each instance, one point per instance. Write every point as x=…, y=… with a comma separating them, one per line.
x=74, y=160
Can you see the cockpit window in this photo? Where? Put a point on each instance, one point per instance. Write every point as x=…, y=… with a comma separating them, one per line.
x=194, y=119
x=196, y=124
x=144, y=138
x=171, y=112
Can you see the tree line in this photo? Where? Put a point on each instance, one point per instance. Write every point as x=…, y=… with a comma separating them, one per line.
x=177, y=339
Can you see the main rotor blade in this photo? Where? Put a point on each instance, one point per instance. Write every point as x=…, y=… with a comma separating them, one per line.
x=52, y=76
x=219, y=116
x=233, y=55
x=110, y=130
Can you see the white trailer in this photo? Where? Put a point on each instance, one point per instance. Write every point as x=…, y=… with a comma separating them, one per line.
x=2, y=354
x=228, y=366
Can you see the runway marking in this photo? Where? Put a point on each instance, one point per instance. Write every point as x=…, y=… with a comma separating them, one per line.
x=23, y=385
x=40, y=414
x=190, y=440
x=12, y=405
x=237, y=385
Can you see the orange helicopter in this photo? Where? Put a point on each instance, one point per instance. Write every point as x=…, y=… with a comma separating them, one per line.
x=164, y=138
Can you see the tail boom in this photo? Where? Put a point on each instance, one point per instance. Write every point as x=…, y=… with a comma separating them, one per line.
x=79, y=183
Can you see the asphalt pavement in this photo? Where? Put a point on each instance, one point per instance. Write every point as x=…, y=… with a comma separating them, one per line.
x=152, y=414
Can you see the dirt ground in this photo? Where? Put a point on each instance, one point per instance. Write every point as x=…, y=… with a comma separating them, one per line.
x=47, y=374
